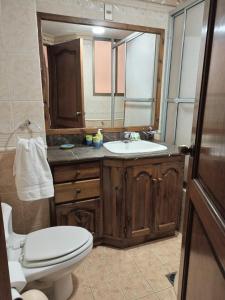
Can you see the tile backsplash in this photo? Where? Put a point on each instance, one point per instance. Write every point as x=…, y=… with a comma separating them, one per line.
x=79, y=139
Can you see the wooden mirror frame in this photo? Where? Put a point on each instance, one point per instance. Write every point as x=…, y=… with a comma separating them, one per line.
x=114, y=25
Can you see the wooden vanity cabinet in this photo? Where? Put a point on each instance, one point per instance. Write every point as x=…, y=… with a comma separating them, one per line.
x=77, y=200
x=142, y=199
x=121, y=202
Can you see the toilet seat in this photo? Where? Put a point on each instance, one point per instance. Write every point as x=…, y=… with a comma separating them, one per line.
x=54, y=245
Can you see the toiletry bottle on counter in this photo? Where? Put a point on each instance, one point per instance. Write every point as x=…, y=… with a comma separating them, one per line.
x=96, y=141
x=89, y=139
x=100, y=136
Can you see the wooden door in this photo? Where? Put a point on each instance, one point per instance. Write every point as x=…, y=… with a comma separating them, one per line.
x=169, y=196
x=5, y=291
x=66, y=84
x=85, y=214
x=202, y=272
x=140, y=192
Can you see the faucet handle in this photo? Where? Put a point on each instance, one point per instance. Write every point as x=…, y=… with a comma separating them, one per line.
x=127, y=134
x=150, y=129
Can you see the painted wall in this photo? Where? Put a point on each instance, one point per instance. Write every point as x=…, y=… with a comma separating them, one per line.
x=20, y=79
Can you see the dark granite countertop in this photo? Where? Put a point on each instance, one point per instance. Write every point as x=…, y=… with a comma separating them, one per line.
x=84, y=153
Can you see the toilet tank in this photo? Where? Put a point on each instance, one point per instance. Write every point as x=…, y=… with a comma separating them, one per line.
x=7, y=220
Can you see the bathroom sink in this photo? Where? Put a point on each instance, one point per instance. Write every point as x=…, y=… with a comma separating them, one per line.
x=126, y=147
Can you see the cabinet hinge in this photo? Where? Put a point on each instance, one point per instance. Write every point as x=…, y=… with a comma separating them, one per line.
x=126, y=175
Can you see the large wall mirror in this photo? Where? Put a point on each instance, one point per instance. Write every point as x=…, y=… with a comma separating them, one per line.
x=99, y=74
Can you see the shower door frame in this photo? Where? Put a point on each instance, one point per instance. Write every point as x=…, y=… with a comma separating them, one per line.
x=182, y=9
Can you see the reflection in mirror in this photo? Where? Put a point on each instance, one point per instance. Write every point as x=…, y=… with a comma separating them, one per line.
x=98, y=77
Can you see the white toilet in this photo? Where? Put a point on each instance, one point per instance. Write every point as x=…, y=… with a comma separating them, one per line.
x=48, y=255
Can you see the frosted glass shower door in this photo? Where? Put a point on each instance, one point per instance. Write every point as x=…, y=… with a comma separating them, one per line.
x=192, y=42
x=176, y=55
x=140, y=71
x=187, y=27
x=186, y=40
x=140, y=66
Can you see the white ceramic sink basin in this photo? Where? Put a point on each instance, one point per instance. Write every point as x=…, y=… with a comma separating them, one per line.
x=126, y=147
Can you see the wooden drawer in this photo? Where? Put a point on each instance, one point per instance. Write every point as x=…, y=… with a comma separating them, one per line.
x=79, y=190
x=76, y=172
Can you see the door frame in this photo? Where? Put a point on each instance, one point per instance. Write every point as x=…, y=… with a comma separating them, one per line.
x=4, y=274
x=201, y=90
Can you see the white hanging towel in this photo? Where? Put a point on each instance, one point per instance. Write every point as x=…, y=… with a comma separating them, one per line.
x=31, y=170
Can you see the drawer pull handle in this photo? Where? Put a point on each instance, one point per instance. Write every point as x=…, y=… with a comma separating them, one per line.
x=154, y=180
x=77, y=191
x=159, y=179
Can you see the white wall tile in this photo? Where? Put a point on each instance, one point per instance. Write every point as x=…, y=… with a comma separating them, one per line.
x=24, y=77
x=4, y=82
x=32, y=110
x=19, y=27
x=5, y=117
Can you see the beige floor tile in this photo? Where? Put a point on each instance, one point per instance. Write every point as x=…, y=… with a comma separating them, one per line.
x=133, y=287
x=159, y=283
x=170, y=268
x=83, y=293
x=167, y=294
x=149, y=297
x=153, y=271
x=131, y=274
x=107, y=292
x=136, y=291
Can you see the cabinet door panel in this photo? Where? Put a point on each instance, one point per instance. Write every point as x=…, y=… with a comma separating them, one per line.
x=85, y=214
x=169, y=195
x=113, y=208
x=139, y=201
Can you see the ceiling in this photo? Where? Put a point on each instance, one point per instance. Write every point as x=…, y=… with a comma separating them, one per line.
x=59, y=29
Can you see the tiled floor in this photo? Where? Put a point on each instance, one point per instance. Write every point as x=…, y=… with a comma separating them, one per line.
x=131, y=274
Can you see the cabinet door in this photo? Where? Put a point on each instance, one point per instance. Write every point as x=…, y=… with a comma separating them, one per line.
x=140, y=190
x=114, y=204
x=85, y=214
x=169, y=196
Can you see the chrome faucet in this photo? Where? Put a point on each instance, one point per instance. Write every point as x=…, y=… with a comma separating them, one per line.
x=130, y=136
x=149, y=134
x=127, y=135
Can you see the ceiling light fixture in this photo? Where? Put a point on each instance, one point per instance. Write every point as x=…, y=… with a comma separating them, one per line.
x=98, y=30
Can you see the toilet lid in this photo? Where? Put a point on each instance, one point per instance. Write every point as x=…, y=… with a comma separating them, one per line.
x=54, y=242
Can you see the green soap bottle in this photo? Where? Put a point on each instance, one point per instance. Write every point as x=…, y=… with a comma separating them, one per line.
x=100, y=136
